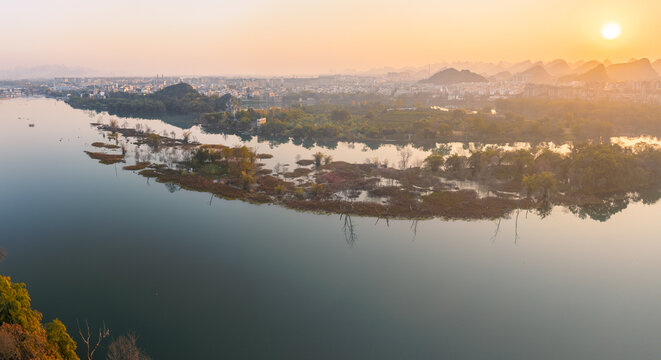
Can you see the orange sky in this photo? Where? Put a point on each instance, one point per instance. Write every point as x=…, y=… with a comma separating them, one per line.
x=310, y=37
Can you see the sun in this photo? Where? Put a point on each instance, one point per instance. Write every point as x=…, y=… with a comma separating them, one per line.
x=611, y=31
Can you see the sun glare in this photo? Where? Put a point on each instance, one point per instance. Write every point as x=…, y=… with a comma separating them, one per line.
x=611, y=31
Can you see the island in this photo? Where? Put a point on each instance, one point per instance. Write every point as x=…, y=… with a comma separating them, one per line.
x=593, y=180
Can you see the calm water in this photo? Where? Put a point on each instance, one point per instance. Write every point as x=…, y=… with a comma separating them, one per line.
x=226, y=279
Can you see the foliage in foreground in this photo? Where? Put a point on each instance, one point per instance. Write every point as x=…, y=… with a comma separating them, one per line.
x=22, y=334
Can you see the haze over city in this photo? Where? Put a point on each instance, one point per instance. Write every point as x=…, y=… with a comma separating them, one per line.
x=292, y=37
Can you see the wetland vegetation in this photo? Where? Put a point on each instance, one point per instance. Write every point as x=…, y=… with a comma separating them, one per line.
x=594, y=179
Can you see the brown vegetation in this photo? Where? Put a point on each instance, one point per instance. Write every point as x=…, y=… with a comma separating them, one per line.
x=138, y=166
x=106, y=158
x=104, y=145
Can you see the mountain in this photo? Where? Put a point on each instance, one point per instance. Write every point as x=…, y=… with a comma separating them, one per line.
x=639, y=70
x=536, y=75
x=657, y=66
x=454, y=76
x=596, y=75
x=558, y=67
x=577, y=64
x=586, y=66
x=520, y=67
x=501, y=76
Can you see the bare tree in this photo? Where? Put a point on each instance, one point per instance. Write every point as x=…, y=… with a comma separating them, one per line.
x=404, y=157
x=90, y=343
x=495, y=234
x=186, y=135
x=516, y=227
x=125, y=348
x=349, y=230
x=277, y=169
x=414, y=227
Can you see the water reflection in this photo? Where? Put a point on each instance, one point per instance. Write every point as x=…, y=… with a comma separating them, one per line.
x=349, y=229
x=596, y=209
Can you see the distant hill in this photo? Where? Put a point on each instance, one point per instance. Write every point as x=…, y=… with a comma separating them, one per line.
x=596, y=75
x=177, y=91
x=501, y=76
x=639, y=70
x=454, y=76
x=178, y=99
x=577, y=64
x=520, y=67
x=536, y=75
x=586, y=66
x=657, y=66
x=558, y=67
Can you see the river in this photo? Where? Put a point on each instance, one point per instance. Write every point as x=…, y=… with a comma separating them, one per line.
x=197, y=277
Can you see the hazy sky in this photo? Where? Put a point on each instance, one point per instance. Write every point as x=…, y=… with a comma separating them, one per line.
x=284, y=37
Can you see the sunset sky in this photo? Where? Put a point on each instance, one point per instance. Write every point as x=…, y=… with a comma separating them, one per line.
x=287, y=37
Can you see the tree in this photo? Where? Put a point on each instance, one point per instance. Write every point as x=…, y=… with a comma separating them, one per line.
x=318, y=156
x=17, y=343
x=91, y=344
x=125, y=348
x=340, y=115
x=56, y=333
x=185, y=136
x=434, y=161
x=542, y=184
x=404, y=157
x=22, y=332
x=247, y=179
x=521, y=161
x=15, y=307
x=456, y=165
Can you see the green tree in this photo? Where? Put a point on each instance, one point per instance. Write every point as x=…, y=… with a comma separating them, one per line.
x=22, y=330
x=542, y=184
x=340, y=115
x=434, y=161
x=56, y=333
